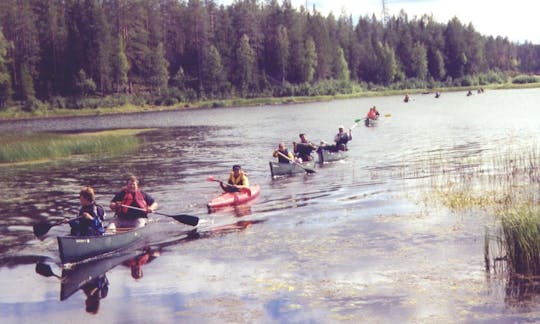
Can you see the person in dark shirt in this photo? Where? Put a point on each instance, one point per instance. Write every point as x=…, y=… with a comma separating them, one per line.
x=91, y=215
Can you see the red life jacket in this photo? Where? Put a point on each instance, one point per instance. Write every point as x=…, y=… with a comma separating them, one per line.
x=128, y=200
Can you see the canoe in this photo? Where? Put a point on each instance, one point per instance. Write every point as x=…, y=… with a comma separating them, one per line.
x=282, y=169
x=77, y=248
x=370, y=122
x=233, y=198
x=326, y=156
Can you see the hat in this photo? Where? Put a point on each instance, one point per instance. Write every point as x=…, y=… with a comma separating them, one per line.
x=341, y=126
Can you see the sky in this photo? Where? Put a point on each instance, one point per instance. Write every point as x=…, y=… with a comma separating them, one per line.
x=516, y=19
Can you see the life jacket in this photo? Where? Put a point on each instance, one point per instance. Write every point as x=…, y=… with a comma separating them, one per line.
x=283, y=159
x=239, y=181
x=128, y=200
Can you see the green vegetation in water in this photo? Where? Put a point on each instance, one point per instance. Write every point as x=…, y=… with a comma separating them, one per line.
x=520, y=238
x=46, y=146
x=508, y=186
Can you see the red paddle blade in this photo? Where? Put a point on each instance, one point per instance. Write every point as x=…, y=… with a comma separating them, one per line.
x=210, y=178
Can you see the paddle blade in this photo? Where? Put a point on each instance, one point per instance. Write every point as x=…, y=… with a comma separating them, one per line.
x=308, y=170
x=41, y=229
x=388, y=115
x=44, y=270
x=187, y=219
x=210, y=178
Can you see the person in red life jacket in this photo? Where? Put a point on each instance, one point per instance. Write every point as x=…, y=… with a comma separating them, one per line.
x=136, y=263
x=304, y=148
x=238, y=180
x=132, y=196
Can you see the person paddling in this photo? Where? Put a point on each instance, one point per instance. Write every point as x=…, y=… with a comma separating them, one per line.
x=304, y=148
x=91, y=215
x=282, y=158
x=342, y=138
x=131, y=196
x=238, y=180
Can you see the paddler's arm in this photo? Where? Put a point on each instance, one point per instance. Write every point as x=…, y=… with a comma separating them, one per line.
x=152, y=208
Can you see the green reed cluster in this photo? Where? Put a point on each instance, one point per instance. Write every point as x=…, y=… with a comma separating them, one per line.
x=520, y=238
x=47, y=146
x=506, y=185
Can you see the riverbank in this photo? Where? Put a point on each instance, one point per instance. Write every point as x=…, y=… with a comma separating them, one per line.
x=15, y=113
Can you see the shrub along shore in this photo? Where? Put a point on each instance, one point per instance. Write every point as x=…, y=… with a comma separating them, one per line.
x=124, y=104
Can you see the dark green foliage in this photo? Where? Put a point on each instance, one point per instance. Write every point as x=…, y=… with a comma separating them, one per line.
x=249, y=48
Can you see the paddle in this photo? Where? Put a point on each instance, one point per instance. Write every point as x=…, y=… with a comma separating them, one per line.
x=247, y=190
x=182, y=218
x=41, y=229
x=45, y=270
x=356, y=121
x=308, y=170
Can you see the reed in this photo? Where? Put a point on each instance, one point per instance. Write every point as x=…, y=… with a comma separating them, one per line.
x=48, y=146
x=506, y=185
x=520, y=229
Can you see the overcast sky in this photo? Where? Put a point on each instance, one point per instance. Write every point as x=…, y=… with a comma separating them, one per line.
x=517, y=19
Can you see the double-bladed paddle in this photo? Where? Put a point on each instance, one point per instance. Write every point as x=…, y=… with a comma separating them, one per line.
x=308, y=170
x=244, y=189
x=182, y=218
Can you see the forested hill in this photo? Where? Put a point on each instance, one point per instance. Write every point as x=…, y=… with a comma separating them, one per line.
x=186, y=50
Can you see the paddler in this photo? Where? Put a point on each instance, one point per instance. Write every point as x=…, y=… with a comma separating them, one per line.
x=140, y=202
x=238, y=180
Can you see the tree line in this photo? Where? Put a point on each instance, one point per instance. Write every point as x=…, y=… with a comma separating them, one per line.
x=168, y=51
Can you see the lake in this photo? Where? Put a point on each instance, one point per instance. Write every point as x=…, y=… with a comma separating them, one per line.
x=361, y=240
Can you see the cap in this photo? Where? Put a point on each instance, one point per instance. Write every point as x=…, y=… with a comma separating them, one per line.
x=341, y=126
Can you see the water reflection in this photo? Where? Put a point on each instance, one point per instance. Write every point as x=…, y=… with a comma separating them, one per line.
x=91, y=277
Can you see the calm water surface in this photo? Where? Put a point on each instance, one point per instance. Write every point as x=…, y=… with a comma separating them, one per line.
x=361, y=240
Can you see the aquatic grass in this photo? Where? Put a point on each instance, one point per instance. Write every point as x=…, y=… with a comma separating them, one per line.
x=46, y=146
x=507, y=185
x=520, y=238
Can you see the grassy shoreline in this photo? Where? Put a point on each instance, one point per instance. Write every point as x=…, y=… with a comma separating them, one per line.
x=13, y=113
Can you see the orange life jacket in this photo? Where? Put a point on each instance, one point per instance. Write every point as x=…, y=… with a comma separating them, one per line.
x=128, y=200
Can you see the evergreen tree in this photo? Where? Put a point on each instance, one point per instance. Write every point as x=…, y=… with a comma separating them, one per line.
x=282, y=51
x=158, y=75
x=245, y=57
x=310, y=62
x=341, y=69
x=214, y=77
x=120, y=66
x=5, y=79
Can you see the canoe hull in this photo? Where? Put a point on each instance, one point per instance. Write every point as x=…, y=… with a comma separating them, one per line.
x=233, y=198
x=77, y=248
x=328, y=156
x=283, y=169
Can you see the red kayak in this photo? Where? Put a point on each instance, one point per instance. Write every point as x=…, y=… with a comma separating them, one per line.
x=234, y=198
